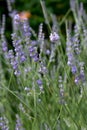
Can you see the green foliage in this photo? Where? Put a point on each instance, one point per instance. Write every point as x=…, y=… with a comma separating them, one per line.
x=59, y=103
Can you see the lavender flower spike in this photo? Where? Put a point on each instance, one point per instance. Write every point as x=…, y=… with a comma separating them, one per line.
x=17, y=19
x=19, y=125
x=40, y=84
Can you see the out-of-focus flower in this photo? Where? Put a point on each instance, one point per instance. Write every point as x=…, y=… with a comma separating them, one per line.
x=19, y=125
x=48, y=52
x=40, y=34
x=54, y=37
x=4, y=123
x=17, y=19
x=33, y=52
x=13, y=62
x=39, y=82
x=18, y=48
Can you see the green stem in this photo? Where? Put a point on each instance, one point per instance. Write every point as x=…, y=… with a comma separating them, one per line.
x=64, y=18
x=45, y=14
x=16, y=97
x=57, y=118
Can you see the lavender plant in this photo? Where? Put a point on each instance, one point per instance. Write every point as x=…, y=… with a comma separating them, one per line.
x=43, y=81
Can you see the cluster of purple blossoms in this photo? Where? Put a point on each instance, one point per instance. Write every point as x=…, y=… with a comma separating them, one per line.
x=4, y=45
x=54, y=37
x=33, y=51
x=16, y=21
x=73, y=52
x=76, y=40
x=43, y=69
x=30, y=45
x=4, y=123
x=18, y=48
x=40, y=84
x=19, y=125
x=81, y=76
x=22, y=34
x=70, y=54
x=18, y=56
x=26, y=31
x=13, y=62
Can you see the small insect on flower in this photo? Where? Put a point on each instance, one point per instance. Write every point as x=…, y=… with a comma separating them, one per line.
x=24, y=15
x=54, y=37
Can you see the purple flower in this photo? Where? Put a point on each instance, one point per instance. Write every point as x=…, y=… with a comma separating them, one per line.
x=33, y=43
x=17, y=72
x=74, y=69
x=13, y=13
x=43, y=69
x=48, y=52
x=14, y=62
x=33, y=52
x=18, y=47
x=12, y=1
x=80, y=77
x=4, y=46
x=77, y=80
x=32, y=49
x=16, y=19
x=22, y=58
x=26, y=28
x=39, y=82
x=30, y=45
x=54, y=37
x=10, y=54
x=4, y=123
x=36, y=59
x=26, y=31
x=19, y=125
